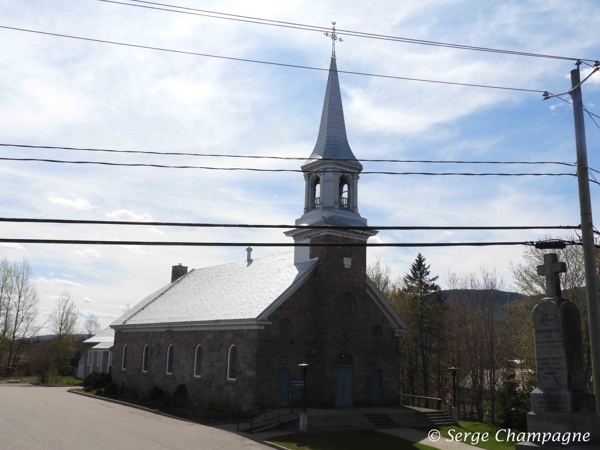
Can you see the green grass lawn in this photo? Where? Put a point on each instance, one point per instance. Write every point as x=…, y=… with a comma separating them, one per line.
x=476, y=427
x=57, y=381
x=346, y=441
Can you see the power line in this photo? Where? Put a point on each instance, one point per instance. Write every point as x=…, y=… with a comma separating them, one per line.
x=269, y=62
x=320, y=29
x=266, y=244
x=253, y=169
x=326, y=227
x=285, y=158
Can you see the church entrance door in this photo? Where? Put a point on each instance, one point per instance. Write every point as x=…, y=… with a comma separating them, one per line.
x=283, y=385
x=376, y=387
x=344, y=387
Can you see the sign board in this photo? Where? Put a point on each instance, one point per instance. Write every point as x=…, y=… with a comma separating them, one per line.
x=297, y=383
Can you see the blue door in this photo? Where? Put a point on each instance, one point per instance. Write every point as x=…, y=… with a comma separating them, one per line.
x=283, y=385
x=376, y=387
x=343, y=387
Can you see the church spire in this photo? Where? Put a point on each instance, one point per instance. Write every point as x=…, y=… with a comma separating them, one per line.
x=332, y=142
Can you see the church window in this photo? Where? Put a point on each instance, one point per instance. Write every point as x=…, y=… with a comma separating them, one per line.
x=170, y=360
x=345, y=306
x=232, y=363
x=376, y=331
x=317, y=192
x=145, y=358
x=90, y=357
x=198, y=361
x=285, y=326
x=343, y=194
x=124, y=358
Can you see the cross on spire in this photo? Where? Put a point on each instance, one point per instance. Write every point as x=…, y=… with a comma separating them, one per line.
x=334, y=37
x=552, y=269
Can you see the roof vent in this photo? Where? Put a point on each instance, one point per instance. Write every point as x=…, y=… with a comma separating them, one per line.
x=178, y=271
x=249, y=255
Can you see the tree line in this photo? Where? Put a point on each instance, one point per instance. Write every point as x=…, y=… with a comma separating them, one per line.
x=476, y=327
x=20, y=324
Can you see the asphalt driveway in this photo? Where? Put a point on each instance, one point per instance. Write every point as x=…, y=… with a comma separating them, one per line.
x=35, y=417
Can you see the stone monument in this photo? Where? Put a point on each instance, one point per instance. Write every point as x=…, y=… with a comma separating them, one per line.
x=561, y=402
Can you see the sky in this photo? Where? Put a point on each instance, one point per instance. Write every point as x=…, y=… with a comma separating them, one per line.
x=63, y=92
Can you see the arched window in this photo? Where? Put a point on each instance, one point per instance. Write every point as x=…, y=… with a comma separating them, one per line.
x=343, y=200
x=124, y=358
x=198, y=361
x=170, y=360
x=232, y=363
x=145, y=358
x=316, y=188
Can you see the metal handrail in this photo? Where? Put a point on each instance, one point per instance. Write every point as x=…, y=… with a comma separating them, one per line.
x=266, y=409
x=418, y=399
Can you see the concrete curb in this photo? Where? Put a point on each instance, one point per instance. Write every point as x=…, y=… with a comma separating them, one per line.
x=156, y=411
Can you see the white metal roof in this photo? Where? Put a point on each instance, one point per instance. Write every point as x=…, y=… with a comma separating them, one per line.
x=106, y=335
x=229, y=293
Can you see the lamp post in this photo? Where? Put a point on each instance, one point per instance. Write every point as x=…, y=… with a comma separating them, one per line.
x=304, y=416
x=454, y=408
x=304, y=370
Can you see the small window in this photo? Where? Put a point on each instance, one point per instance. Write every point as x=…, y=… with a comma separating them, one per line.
x=232, y=363
x=90, y=357
x=376, y=331
x=285, y=326
x=124, y=358
x=170, y=360
x=145, y=359
x=198, y=361
x=99, y=359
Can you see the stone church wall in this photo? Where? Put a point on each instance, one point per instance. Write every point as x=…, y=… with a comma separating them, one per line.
x=330, y=330
x=212, y=390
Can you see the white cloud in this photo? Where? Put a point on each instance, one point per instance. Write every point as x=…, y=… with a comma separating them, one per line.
x=87, y=300
x=594, y=79
x=58, y=281
x=91, y=314
x=156, y=231
x=87, y=252
x=78, y=204
x=137, y=249
x=12, y=245
x=124, y=214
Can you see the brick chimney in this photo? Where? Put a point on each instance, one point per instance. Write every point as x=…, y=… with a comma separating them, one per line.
x=178, y=271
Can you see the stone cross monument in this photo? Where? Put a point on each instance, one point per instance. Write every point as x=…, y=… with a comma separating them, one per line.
x=561, y=401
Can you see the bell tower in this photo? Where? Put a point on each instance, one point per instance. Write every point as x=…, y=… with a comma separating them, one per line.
x=331, y=175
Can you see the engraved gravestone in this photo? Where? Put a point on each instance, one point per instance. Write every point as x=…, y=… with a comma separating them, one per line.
x=560, y=401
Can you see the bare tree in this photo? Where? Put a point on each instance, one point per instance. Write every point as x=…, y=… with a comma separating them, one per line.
x=18, y=309
x=91, y=326
x=64, y=317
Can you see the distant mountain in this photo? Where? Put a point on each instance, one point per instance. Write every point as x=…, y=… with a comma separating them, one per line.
x=53, y=336
x=476, y=295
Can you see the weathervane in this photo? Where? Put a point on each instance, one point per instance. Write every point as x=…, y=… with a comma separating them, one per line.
x=334, y=37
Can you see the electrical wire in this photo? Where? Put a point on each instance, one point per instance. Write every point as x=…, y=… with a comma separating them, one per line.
x=295, y=66
x=320, y=29
x=309, y=227
x=285, y=158
x=266, y=244
x=253, y=169
x=591, y=114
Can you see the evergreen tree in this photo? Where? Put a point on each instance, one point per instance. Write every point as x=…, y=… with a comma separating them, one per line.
x=429, y=307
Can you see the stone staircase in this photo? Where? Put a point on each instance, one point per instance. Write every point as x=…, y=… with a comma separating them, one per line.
x=381, y=420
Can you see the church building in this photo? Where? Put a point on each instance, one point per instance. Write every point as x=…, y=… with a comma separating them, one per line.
x=235, y=334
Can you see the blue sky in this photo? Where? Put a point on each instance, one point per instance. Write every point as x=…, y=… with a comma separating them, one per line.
x=63, y=92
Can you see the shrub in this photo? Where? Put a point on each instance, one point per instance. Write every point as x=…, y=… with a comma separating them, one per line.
x=102, y=381
x=99, y=391
x=111, y=389
x=180, y=396
x=90, y=379
x=156, y=393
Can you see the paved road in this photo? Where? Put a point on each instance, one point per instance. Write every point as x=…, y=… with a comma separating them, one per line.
x=34, y=417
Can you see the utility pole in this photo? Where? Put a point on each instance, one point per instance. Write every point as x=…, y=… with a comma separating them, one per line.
x=587, y=230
